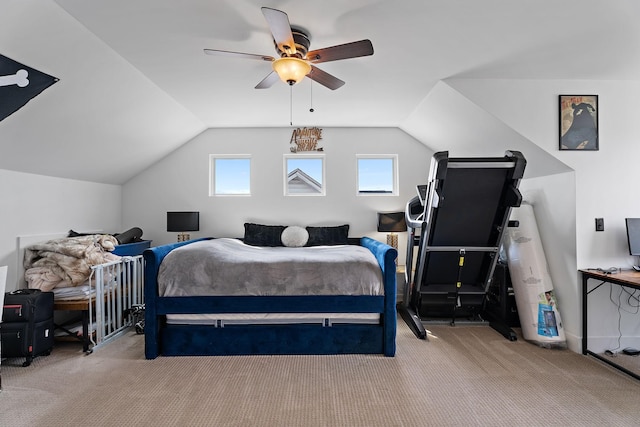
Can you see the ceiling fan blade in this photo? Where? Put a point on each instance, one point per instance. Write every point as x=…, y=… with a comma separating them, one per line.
x=280, y=29
x=268, y=81
x=342, y=51
x=324, y=78
x=238, y=54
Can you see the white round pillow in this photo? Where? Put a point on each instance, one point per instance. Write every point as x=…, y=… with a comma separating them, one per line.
x=294, y=236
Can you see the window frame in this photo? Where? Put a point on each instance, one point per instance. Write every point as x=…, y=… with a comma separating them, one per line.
x=212, y=173
x=323, y=184
x=394, y=173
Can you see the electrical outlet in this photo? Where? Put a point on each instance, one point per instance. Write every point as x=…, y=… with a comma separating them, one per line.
x=599, y=224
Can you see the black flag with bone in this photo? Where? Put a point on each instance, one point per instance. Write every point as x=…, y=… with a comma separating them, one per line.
x=19, y=84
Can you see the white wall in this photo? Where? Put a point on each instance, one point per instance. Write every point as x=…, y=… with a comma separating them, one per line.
x=603, y=185
x=606, y=179
x=180, y=182
x=41, y=205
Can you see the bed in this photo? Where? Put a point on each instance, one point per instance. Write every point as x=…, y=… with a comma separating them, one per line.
x=247, y=321
x=91, y=274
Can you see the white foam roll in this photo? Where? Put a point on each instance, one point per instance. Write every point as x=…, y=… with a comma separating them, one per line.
x=532, y=285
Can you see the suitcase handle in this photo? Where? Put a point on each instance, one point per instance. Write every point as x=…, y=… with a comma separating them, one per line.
x=24, y=291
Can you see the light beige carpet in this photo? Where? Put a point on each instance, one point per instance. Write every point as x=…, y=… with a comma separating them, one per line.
x=461, y=376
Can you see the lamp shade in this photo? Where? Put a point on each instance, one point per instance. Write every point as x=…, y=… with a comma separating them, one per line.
x=183, y=221
x=291, y=70
x=391, y=222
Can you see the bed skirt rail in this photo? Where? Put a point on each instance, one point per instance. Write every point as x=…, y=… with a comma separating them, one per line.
x=119, y=287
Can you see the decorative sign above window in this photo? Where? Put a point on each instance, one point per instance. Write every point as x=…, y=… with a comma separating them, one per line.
x=306, y=139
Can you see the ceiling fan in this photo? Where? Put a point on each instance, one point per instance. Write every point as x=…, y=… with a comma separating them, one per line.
x=295, y=61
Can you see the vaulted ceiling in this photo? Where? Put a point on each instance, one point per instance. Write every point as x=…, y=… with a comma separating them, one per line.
x=135, y=83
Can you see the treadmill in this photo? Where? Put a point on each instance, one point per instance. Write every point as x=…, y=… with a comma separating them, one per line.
x=457, y=221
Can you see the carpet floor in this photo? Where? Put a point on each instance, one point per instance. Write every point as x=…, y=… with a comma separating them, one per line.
x=461, y=376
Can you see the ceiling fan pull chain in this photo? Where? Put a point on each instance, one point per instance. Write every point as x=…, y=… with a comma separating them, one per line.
x=311, y=110
x=291, y=105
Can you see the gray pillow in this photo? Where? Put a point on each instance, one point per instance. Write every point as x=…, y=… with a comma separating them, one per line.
x=295, y=237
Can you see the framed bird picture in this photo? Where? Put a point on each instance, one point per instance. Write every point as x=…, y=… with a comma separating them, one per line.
x=579, y=122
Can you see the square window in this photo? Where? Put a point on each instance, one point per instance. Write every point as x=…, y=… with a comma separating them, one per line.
x=377, y=174
x=304, y=175
x=230, y=175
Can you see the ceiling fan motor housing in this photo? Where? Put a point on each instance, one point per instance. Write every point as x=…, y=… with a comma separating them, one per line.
x=301, y=40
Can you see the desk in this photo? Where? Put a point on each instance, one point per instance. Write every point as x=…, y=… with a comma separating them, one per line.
x=625, y=278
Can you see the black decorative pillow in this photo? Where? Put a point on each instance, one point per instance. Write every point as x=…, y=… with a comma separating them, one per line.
x=263, y=235
x=338, y=235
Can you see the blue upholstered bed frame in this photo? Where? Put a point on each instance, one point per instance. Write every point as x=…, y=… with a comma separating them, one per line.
x=195, y=340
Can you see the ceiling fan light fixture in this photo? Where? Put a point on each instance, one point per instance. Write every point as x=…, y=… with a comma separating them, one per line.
x=291, y=70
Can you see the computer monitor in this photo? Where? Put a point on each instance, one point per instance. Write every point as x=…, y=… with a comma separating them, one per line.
x=633, y=235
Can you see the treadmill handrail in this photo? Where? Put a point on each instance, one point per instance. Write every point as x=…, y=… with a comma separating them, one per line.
x=413, y=220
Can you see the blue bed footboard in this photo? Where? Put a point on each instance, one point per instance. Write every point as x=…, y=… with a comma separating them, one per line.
x=175, y=340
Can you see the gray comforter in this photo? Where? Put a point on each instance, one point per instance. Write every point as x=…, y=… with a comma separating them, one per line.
x=230, y=267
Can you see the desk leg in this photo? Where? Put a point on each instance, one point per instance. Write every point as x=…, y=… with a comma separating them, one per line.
x=585, y=279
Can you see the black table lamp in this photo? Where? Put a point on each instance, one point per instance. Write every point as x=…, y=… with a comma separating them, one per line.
x=181, y=222
x=392, y=223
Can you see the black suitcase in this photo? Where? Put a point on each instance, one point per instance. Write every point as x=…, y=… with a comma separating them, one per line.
x=27, y=327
